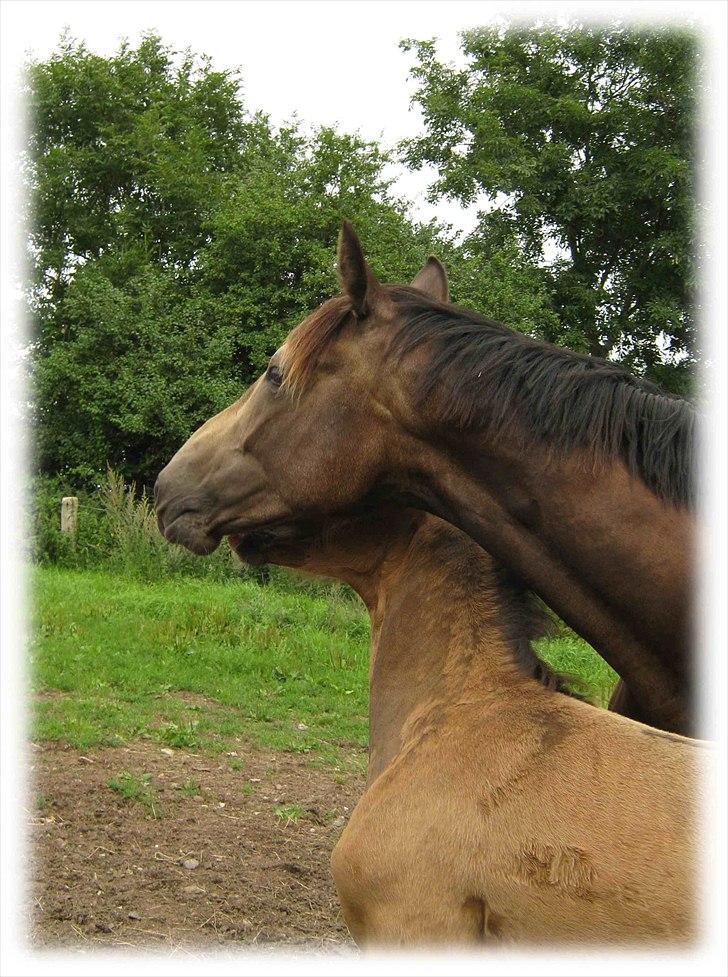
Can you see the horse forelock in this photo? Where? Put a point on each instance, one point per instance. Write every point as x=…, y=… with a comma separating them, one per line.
x=308, y=340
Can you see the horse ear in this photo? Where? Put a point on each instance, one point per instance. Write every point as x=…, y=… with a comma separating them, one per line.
x=356, y=277
x=432, y=280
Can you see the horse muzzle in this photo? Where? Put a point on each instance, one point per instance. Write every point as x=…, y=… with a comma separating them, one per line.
x=181, y=518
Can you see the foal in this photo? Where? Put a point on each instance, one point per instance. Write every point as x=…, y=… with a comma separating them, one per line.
x=498, y=809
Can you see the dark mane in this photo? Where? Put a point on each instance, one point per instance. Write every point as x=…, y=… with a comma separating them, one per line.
x=544, y=393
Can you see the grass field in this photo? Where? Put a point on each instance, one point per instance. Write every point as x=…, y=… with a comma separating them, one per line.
x=199, y=664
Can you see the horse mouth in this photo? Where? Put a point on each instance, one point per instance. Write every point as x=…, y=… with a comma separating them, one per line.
x=188, y=529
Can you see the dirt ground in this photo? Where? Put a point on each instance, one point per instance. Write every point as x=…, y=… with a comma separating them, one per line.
x=235, y=855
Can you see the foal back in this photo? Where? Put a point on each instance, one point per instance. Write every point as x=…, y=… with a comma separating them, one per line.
x=541, y=821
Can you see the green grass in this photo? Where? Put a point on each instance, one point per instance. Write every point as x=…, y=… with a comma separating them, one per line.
x=569, y=654
x=190, y=788
x=180, y=735
x=128, y=654
x=138, y=789
x=199, y=665
x=289, y=812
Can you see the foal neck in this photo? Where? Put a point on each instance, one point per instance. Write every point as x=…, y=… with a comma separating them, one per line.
x=447, y=628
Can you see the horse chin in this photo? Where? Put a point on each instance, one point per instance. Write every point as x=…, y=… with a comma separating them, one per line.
x=189, y=531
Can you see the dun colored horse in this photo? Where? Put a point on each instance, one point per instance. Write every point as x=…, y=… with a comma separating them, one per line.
x=572, y=473
x=498, y=810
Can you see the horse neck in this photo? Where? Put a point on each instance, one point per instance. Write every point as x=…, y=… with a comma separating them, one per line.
x=609, y=556
x=438, y=637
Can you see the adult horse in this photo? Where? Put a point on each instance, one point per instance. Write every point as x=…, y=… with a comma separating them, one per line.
x=572, y=473
x=498, y=809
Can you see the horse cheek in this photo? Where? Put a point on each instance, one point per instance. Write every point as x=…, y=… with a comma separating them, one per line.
x=338, y=463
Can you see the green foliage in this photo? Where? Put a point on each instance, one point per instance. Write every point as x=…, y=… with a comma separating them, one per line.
x=270, y=259
x=126, y=157
x=135, y=547
x=137, y=369
x=592, y=676
x=124, y=150
x=289, y=812
x=182, y=736
x=46, y=543
x=504, y=285
x=581, y=141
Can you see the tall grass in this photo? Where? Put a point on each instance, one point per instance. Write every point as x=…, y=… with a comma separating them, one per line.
x=131, y=521
x=137, y=547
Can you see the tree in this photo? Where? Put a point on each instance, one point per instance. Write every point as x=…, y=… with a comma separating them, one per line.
x=271, y=253
x=176, y=240
x=127, y=153
x=582, y=142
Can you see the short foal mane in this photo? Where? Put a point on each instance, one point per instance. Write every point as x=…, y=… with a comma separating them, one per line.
x=524, y=619
x=489, y=588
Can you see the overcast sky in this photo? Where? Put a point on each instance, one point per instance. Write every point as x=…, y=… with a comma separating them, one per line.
x=330, y=63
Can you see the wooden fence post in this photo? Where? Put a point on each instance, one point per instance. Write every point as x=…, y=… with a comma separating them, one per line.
x=69, y=515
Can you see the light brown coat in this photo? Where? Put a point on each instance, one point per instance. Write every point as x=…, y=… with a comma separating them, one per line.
x=498, y=810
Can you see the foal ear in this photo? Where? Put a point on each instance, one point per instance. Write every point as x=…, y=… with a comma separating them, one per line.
x=432, y=280
x=356, y=277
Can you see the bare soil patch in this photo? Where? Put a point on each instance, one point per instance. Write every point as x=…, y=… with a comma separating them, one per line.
x=237, y=854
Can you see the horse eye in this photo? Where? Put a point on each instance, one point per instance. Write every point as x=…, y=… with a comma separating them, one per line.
x=274, y=375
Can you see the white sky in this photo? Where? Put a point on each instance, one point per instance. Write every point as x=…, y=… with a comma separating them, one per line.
x=329, y=63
